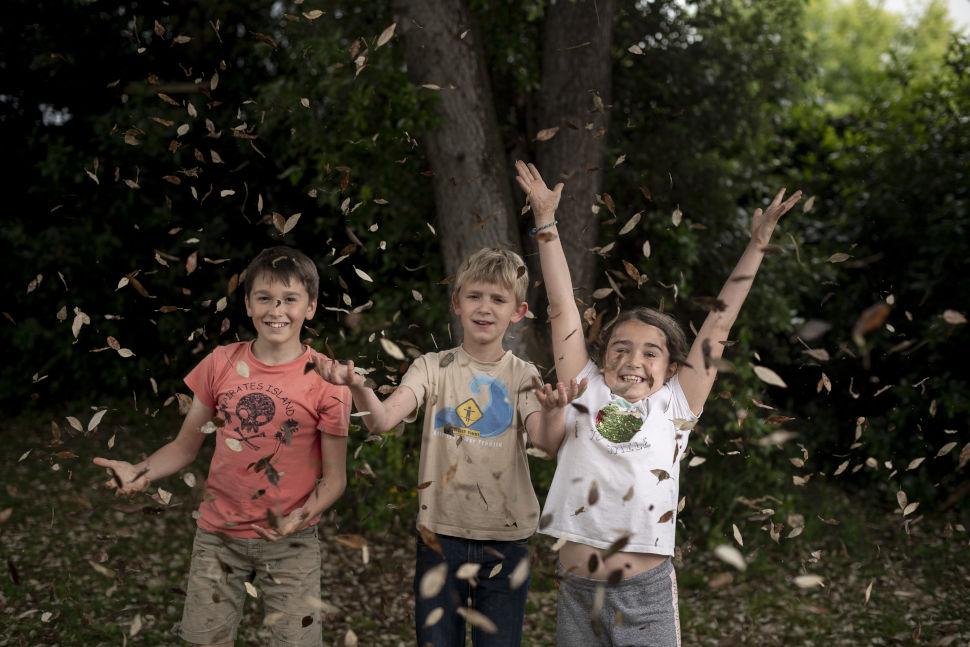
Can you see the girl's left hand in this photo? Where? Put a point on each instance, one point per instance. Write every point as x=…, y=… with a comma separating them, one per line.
x=763, y=222
x=557, y=398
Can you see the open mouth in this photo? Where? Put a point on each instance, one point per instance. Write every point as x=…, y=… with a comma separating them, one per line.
x=276, y=324
x=479, y=322
x=631, y=379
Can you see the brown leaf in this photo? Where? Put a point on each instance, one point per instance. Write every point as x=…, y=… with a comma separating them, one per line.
x=478, y=620
x=666, y=516
x=430, y=539
x=546, y=134
x=871, y=318
x=594, y=494
x=351, y=541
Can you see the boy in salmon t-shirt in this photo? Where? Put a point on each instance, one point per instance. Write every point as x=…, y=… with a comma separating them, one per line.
x=279, y=462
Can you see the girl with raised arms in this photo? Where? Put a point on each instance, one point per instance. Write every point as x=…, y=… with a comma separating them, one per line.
x=613, y=499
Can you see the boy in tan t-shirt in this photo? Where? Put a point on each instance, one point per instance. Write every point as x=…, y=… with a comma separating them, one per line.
x=477, y=507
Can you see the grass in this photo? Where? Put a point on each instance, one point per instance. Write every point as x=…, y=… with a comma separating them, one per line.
x=86, y=569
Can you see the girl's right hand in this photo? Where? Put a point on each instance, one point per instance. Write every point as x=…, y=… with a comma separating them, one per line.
x=544, y=200
x=334, y=372
x=125, y=478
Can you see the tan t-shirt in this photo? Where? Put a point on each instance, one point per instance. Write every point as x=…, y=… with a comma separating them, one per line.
x=473, y=445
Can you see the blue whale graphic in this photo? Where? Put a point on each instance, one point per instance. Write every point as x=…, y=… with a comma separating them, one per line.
x=496, y=417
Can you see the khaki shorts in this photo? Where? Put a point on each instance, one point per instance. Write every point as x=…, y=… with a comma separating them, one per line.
x=285, y=574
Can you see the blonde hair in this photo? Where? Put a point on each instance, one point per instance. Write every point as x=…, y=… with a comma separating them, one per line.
x=498, y=267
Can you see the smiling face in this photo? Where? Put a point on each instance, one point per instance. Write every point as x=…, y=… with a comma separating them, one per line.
x=637, y=362
x=485, y=311
x=278, y=311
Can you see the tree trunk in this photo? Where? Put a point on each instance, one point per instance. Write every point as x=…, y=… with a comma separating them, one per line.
x=472, y=188
x=575, y=96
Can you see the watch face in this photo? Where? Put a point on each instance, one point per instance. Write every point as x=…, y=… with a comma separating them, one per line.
x=618, y=421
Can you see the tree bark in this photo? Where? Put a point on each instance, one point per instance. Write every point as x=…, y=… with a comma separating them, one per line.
x=575, y=96
x=472, y=187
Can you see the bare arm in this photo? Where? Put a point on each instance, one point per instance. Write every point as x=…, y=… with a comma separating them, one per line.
x=167, y=460
x=381, y=415
x=697, y=378
x=547, y=428
x=568, y=341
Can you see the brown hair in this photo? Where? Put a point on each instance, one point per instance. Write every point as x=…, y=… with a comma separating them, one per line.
x=498, y=267
x=673, y=333
x=284, y=264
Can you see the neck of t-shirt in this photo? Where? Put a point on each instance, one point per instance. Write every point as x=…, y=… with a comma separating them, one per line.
x=274, y=356
x=485, y=354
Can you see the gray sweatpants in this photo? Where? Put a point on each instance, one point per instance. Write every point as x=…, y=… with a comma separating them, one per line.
x=638, y=612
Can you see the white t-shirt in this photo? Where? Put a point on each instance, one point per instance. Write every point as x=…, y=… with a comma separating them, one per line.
x=619, y=468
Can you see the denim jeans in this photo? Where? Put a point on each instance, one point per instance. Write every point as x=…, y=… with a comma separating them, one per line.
x=491, y=596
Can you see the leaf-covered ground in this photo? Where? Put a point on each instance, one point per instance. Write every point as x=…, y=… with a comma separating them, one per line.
x=84, y=568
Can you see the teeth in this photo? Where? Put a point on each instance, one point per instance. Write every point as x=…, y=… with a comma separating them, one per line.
x=632, y=378
x=275, y=324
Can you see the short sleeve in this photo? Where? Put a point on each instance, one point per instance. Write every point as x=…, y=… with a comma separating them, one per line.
x=527, y=402
x=679, y=407
x=334, y=410
x=417, y=379
x=200, y=380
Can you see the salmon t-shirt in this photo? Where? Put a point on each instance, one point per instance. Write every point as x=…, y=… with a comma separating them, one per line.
x=267, y=455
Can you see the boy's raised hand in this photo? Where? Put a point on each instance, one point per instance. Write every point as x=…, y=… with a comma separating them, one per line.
x=543, y=200
x=763, y=222
x=336, y=373
x=125, y=479
x=557, y=398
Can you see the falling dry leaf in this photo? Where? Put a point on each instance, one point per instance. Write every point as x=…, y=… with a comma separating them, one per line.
x=242, y=368
x=871, y=318
x=839, y=257
x=478, y=620
x=392, y=349
x=96, y=419
x=546, y=134
x=945, y=449
x=434, y=616
x=953, y=317
x=386, y=35
x=809, y=581
x=768, y=376
x=519, y=574
x=630, y=224
x=730, y=555
x=433, y=580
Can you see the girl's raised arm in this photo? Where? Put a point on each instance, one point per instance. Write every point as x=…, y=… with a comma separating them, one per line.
x=697, y=377
x=568, y=341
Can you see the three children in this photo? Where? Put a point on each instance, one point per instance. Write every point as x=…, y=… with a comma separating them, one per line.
x=613, y=500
